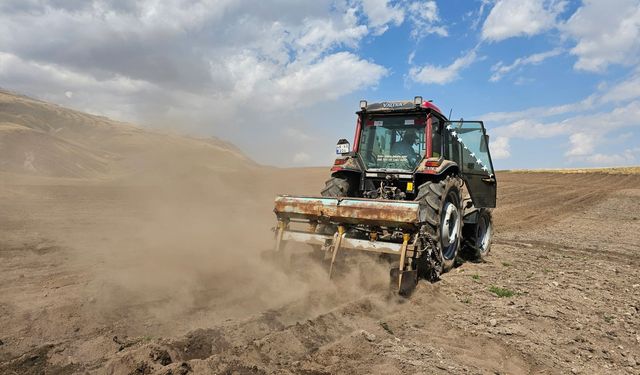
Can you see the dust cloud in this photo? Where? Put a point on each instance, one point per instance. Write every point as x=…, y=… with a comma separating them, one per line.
x=169, y=248
x=156, y=233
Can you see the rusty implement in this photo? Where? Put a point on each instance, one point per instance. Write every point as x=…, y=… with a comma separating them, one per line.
x=334, y=225
x=354, y=211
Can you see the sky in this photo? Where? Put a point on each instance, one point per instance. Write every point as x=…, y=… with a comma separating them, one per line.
x=557, y=83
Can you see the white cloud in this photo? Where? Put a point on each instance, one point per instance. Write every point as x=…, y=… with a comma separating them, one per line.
x=530, y=128
x=301, y=158
x=500, y=69
x=412, y=55
x=145, y=59
x=241, y=70
x=320, y=34
x=626, y=90
x=590, y=125
x=109, y=96
x=608, y=159
x=442, y=74
x=587, y=132
x=594, y=124
x=581, y=144
x=512, y=18
x=606, y=32
x=628, y=157
x=333, y=76
x=380, y=13
x=425, y=19
x=500, y=148
x=296, y=134
x=479, y=14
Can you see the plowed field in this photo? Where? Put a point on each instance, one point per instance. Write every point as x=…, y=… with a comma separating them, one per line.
x=163, y=276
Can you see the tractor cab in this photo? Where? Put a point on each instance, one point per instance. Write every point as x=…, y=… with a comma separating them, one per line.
x=399, y=145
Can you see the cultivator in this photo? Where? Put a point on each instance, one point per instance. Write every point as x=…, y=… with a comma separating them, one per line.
x=333, y=225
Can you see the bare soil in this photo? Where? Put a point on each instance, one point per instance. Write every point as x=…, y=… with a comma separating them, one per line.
x=127, y=251
x=137, y=277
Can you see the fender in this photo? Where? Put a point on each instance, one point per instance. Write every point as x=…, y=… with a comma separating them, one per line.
x=437, y=166
x=348, y=163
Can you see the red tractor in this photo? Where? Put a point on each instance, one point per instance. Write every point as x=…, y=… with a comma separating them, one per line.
x=415, y=188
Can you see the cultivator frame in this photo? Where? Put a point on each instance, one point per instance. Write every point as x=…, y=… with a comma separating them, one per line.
x=353, y=224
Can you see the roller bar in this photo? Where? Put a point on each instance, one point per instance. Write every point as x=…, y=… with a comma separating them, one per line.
x=355, y=211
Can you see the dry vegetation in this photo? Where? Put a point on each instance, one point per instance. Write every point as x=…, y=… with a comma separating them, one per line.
x=612, y=170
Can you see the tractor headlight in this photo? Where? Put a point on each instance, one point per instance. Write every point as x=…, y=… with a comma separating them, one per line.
x=417, y=101
x=363, y=104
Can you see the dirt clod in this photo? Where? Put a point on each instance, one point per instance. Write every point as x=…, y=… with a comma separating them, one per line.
x=201, y=344
x=184, y=369
x=386, y=327
x=160, y=356
x=368, y=336
x=142, y=368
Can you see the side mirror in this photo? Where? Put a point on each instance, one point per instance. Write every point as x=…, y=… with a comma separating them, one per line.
x=343, y=147
x=484, y=143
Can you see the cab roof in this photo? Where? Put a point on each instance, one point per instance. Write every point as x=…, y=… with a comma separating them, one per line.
x=400, y=106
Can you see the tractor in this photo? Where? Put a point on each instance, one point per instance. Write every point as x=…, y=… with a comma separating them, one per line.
x=415, y=188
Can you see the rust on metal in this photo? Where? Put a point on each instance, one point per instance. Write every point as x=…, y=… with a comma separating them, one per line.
x=397, y=214
x=353, y=244
x=403, y=254
x=281, y=229
x=336, y=247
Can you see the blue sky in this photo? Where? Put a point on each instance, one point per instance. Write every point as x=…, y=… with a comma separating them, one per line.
x=557, y=82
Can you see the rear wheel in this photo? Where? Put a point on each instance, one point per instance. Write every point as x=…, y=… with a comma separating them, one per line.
x=440, y=209
x=479, y=236
x=336, y=186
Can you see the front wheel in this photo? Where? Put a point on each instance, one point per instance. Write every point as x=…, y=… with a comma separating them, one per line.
x=479, y=236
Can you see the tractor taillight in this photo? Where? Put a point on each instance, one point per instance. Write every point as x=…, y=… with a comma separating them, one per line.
x=433, y=163
x=339, y=161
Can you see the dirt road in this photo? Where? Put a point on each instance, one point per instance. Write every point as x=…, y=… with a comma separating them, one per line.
x=145, y=277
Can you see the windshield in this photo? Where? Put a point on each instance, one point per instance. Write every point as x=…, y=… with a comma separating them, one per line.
x=393, y=142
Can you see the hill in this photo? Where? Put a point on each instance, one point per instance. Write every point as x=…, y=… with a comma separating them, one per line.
x=43, y=139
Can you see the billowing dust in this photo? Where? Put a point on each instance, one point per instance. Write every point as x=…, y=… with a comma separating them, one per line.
x=168, y=251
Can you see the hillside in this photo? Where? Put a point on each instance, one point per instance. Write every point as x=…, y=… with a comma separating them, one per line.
x=42, y=139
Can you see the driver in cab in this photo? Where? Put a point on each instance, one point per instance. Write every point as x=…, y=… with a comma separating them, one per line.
x=405, y=146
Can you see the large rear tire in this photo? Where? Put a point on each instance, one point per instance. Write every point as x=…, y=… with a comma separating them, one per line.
x=336, y=186
x=478, y=236
x=441, y=210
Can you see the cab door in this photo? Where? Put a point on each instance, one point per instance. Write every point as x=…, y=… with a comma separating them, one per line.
x=469, y=147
